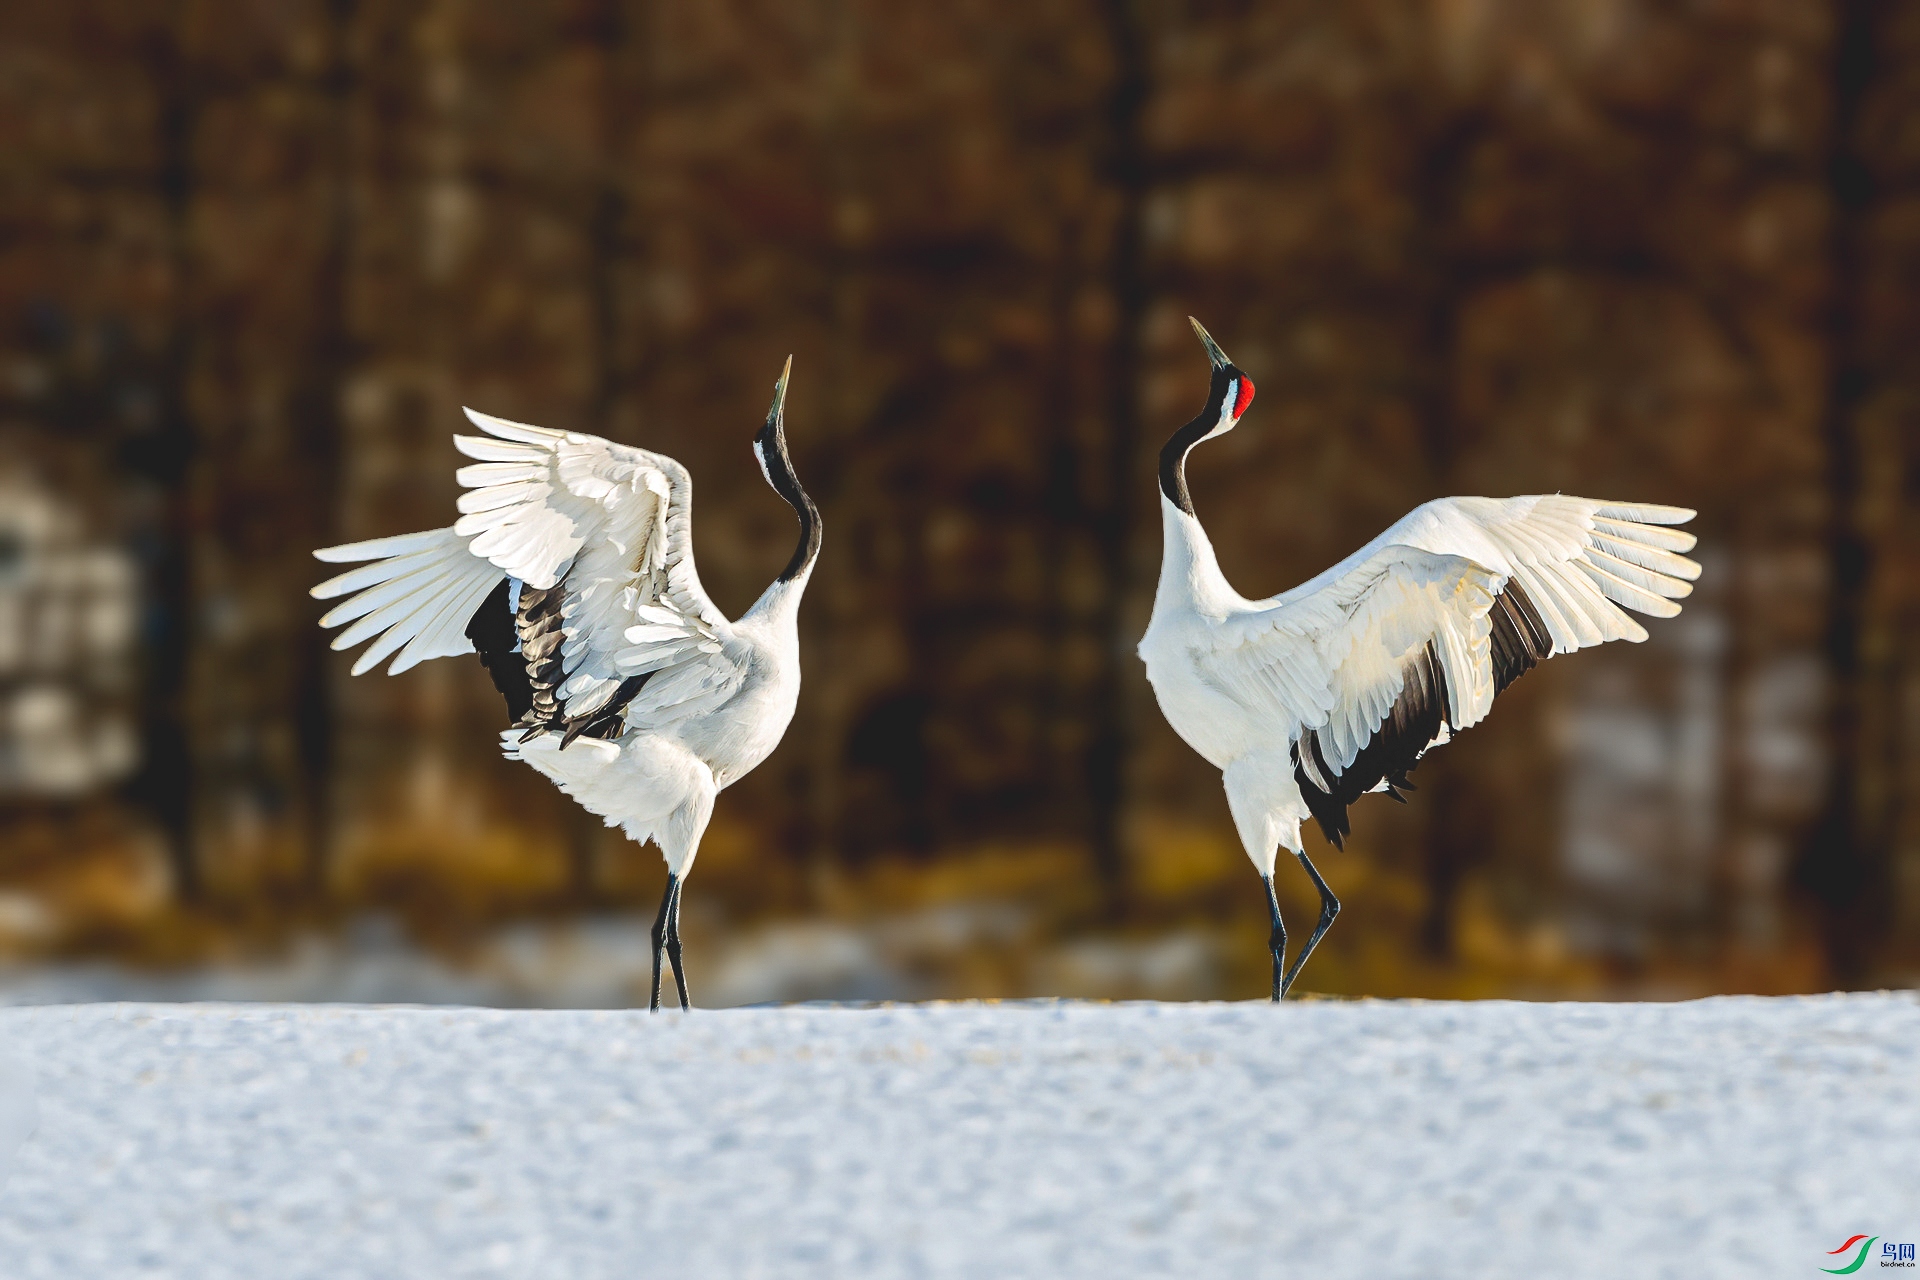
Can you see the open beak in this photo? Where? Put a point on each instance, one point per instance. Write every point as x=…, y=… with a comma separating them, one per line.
x=1214, y=353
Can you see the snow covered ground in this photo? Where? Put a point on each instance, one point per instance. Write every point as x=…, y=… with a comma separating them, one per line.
x=606, y=962
x=1730, y=1137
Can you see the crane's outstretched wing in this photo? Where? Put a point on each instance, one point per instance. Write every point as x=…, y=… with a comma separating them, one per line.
x=613, y=617
x=1408, y=640
x=416, y=595
x=610, y=616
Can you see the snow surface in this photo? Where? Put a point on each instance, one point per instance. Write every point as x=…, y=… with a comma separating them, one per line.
x=1728, y=1137
x=606, y=962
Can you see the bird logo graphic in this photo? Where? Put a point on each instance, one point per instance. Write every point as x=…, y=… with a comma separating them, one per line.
x=1859, y=1259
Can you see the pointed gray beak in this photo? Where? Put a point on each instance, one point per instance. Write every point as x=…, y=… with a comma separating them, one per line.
x=1214, y=353
x=780, y=393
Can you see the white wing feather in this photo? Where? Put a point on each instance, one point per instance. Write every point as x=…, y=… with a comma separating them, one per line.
x=1332, y=654
x=610, y=524
x=416, y=596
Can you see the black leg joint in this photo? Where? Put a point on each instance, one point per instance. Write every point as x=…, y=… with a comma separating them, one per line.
x=1329, y=908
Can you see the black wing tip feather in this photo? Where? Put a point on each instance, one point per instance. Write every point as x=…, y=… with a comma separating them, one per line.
x=491, y=629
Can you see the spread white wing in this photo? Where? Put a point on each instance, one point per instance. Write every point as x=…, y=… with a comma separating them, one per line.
x=610, y=527
x=599, y=533
x=1408, y=640
x=415, y=594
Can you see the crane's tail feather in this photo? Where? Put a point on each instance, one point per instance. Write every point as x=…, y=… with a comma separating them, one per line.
x=416, y=597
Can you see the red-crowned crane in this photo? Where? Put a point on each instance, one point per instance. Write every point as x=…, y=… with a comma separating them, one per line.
x=1311, y=699
x=571, y=572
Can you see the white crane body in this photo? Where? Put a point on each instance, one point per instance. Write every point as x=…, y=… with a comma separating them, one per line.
x=1337, y=687
x=657, y=780
x=571, y=573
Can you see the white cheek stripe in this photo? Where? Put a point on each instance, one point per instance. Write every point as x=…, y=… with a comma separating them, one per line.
x=1226, y=411
x=760, y=456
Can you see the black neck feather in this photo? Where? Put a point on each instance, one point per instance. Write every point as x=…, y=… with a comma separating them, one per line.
x=771, y=445
x=1173, y=454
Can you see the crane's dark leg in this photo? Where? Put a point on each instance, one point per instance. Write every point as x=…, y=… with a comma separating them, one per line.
x=673, y=947
x=667, y=902
x=1329, y=908
x=1277, y=940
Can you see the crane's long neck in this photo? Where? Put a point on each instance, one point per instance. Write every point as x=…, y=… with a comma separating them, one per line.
x=781, y=600
x=1189, y=573
x=1216, y=419
x=1173, y=463
x=1190, y=576
x=807, y=550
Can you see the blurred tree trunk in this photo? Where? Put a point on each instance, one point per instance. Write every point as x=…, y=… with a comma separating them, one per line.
x=1846, y=860
x=317, y=424
x=166, y=783
x=1126, y=168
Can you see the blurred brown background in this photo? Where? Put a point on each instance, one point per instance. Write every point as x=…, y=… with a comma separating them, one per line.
x=254, y=255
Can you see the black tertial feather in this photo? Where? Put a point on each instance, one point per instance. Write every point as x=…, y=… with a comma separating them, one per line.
x=540, y=624
x=1418, y=717
x=1520, y=638
x=542, y=639
x=1519, y=642
x=609, y=718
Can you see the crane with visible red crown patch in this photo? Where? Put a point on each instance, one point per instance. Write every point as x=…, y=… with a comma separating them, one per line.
x=1310, y=699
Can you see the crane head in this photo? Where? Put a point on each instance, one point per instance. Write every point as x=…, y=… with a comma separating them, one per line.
x=1228, y=395
x=1230, y=391
x=770, y=442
